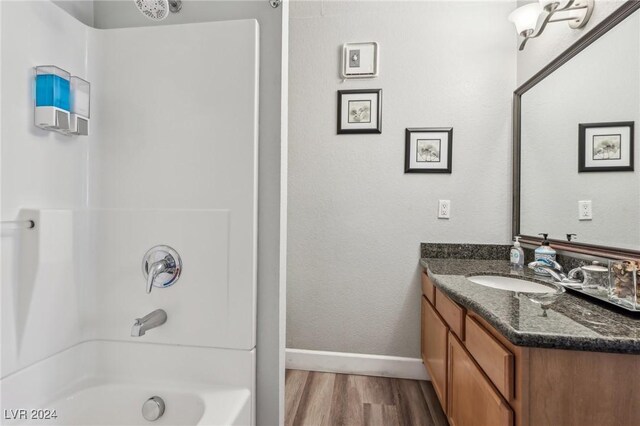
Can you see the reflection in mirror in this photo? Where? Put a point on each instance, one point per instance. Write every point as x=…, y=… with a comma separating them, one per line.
x=579, y=172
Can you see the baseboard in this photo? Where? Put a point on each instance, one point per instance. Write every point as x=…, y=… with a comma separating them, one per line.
x=361, y=364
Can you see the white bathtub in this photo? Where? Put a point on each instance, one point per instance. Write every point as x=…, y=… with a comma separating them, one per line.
x=106, y=383
x=95, y=403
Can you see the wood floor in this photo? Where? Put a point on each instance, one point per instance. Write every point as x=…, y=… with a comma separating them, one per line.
x=323, y=399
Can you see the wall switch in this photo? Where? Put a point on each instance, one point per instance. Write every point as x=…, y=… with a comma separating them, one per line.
x=444, y=209
x=584, y=210
x=354, y=58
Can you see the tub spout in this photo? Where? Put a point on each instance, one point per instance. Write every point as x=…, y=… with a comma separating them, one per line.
x=149, y=321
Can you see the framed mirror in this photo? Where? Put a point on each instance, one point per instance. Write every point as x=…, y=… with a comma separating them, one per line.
x=576, y=163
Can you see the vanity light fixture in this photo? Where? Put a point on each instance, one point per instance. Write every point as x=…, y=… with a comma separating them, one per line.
x=531, y=19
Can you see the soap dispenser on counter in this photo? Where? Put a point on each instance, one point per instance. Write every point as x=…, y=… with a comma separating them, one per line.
x=516, y=255
x=544, y=252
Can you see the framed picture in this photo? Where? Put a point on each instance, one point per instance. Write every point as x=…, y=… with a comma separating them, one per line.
x=359, y=111
x=428, y=150
x=605, y=147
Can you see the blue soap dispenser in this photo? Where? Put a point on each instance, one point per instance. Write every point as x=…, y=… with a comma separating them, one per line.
x=544, y=252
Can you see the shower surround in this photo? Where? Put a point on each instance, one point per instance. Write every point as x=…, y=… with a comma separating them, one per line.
x=171, y=159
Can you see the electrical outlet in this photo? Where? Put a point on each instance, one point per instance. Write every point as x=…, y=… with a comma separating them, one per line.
x=444, y=209
x=585, y=211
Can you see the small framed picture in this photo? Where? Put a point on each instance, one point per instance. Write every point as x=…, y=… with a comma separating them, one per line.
x=605, y=147
x=359, y=111
x=428, y=150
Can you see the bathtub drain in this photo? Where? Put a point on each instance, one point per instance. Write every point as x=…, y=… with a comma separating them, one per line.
x=153, y=408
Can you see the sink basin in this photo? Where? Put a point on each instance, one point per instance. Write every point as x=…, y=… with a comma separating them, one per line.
x=511, y=284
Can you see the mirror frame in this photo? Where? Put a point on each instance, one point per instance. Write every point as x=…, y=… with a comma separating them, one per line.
x=598, y=31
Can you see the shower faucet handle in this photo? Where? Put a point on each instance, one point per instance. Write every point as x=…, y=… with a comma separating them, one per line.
x=161, y=267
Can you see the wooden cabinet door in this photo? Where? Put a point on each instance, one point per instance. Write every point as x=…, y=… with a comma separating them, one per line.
x=473, y=401
x=434, y=350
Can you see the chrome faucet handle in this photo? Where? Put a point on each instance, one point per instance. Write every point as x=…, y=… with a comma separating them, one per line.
x=544, y=262
x=161, y=267
x=154, y=270
x=555, y=265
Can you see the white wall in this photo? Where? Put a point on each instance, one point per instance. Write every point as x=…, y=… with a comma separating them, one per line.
x=556, y=38
x=270, y=304
x=176, y=164
x=355, y=219
x=44, y=170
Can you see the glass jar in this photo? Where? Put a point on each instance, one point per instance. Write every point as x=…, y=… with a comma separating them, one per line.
x=596, y=279
x=624, y=278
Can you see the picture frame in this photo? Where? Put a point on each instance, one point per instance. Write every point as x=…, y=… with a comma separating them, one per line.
x=359, y=111
x=606, y=147
x=428, y=150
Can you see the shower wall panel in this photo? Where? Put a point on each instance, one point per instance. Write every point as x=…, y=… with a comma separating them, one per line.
x=176, y=163
x=42, y=288
x=171, y=159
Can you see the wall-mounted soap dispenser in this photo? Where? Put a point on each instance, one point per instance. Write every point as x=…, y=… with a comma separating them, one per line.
x=80, y=106
x=53, y=88
x=62, y=101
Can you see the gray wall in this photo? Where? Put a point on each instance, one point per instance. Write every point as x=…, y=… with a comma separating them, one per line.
x=355, y=219
x=81, y=10
x=273, y=24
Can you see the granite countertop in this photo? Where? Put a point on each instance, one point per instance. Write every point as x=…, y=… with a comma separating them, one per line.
x=571, y=322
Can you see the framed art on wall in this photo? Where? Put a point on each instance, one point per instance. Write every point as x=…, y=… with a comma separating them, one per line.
x=359, y=111
x=428, y=150
x=605, y=147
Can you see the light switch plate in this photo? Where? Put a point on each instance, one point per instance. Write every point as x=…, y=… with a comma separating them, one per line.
x=360, y=60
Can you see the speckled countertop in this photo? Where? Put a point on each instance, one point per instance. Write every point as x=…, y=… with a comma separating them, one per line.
x=571, y=322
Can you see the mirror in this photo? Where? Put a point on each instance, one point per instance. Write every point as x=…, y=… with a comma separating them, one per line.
x=575, y=125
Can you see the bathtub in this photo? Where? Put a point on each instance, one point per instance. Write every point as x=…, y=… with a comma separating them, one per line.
x=106, y=383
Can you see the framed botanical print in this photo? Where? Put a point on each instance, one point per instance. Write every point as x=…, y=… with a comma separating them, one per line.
x=605, y=147
x=359, y=111
x=428, y=150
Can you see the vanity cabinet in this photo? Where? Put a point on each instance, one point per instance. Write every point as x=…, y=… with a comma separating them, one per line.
x=466, y=394
x=482, y=379
x=496, y=361
x=434, y=349
x=473, y=401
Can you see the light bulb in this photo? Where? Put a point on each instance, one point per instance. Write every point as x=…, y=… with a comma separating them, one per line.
x=525, y=18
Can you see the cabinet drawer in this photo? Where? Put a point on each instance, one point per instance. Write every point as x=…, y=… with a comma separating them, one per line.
x=428, y=289
x=434, y=350
x=451, y=313
x=496, y=360
x=473, y=401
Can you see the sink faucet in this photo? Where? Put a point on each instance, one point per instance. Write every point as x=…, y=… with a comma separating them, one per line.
x=553, y=268
x=149, y=321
